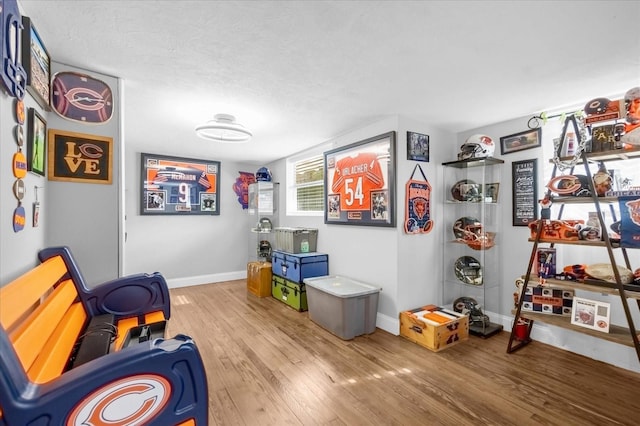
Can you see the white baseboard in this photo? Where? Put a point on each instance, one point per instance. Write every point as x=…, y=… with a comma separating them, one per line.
x=206, y=279
x=388, y=324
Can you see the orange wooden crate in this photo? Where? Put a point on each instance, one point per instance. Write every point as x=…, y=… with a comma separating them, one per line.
x=259, y=278
x=427, y=326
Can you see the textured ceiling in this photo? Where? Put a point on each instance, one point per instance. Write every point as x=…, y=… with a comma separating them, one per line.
x=298, y=73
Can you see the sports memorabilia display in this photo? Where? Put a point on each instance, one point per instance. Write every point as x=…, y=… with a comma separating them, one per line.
x=263, y=175
x=469, y=306
x=13, y=73
x=468, y=270
x=629, y=226
x=591, y=314
x=418, y=205
x=477, y=146
x=37, y=63
x=179, y=186
x=466, y=190
x=82, y=98
x=19, y=218
x=574, y=185
x=632, y=120
x=360, y=183
x=591, y=137
x=469, y=230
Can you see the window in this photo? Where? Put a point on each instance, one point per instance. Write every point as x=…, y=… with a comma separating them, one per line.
x=305, y=182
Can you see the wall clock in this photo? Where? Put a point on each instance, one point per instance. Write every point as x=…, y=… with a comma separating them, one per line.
x=13, y=73
x=82, y=98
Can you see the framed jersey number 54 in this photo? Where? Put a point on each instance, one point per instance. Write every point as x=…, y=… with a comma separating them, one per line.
x=359, y=182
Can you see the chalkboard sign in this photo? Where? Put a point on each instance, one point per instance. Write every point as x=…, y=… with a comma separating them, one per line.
x=525, y=193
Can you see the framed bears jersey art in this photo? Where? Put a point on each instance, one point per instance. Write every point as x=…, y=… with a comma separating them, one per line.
x=179, y=186
x=360, y=182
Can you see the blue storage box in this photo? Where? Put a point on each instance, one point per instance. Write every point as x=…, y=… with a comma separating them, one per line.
x=297, y=267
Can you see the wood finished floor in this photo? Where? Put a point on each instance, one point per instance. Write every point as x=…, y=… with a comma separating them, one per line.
x=268, y=364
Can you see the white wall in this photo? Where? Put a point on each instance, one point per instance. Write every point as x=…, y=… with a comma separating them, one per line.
x=86, y=216
x=406, y=267
x=187, y=250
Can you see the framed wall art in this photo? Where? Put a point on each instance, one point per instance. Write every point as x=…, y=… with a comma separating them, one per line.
x=36, y=142
x=79, y=157
x=360, y=181
x=525, y=191
x=521, y=141
x=417, y=146
x=179, y=186
x=36, y=62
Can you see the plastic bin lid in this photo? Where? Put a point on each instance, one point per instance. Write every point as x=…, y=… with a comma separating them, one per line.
x=340, y=286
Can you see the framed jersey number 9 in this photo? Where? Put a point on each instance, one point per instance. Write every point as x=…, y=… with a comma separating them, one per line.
x=360, y=183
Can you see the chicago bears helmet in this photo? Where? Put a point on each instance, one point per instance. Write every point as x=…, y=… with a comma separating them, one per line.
x=263, y=175
x=470, y=231
x=264, y=250
x=469, y=306
x=477, y=146
x=466, y=190
x=264, y=224
x=468, y=270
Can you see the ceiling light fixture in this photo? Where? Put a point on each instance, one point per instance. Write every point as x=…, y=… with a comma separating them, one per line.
x=223, y=128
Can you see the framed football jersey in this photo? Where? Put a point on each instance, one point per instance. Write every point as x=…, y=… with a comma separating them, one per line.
x=179, y=186
x=359, y=182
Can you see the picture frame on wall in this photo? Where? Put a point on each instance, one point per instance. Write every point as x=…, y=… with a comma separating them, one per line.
x=417, y=146
x=524, y=178
x=36, y=142
x=79, y=157
x=37, y=64
x=520, y=141
x=360, y=181
x=179, y=186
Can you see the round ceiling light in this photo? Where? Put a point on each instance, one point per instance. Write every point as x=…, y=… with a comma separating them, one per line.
x=223, y=128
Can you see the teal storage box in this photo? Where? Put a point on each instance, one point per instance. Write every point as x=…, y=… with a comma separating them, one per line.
x=297, y=267
x=345, y=307
x=293, y=294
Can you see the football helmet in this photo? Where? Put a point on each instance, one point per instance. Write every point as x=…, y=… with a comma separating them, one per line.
x=263, y=175
x=469, y=306
x=468, y=270
x=477, y=146
x=264, y=225
x=466, y=190
x=470, y=231
x=264, y=250
x=596, y=106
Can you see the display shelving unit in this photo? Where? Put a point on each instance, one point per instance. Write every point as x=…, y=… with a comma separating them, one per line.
x=478, y=179
x=626, y=293
x=263, y=203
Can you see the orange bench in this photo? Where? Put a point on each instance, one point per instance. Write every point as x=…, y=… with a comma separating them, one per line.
x=45, y=317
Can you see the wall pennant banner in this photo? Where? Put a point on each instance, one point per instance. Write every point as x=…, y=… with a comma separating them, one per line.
x=418, y=205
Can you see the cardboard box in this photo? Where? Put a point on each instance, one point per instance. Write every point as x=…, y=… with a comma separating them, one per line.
x=433, y=327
